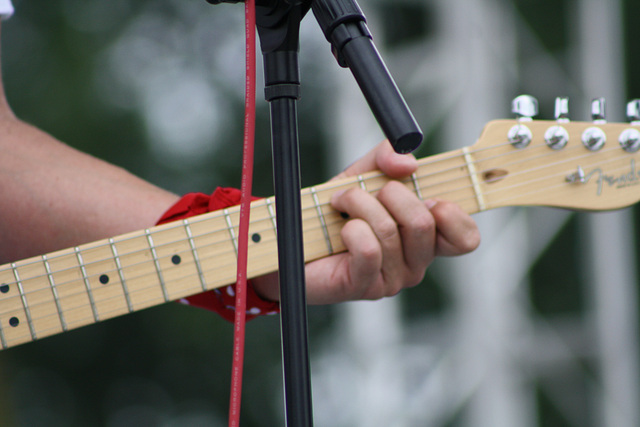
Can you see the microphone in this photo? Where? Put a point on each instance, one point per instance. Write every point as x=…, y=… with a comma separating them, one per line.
x=344, y=26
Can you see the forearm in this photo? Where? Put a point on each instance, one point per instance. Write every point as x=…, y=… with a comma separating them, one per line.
x=54, y=196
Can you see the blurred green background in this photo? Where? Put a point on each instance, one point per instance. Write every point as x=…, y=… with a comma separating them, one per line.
x=156, y=86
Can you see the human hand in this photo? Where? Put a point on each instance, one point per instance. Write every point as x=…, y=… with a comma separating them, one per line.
x=391, y=237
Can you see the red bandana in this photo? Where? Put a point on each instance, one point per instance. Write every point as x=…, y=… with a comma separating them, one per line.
x=222, y=300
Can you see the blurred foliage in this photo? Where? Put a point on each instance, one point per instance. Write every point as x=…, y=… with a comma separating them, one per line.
x=171, y=365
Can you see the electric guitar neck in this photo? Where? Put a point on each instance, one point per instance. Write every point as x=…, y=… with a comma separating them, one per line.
x=572, y=165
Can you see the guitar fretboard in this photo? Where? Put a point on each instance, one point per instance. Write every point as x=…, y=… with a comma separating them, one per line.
x=56, y=292
x=64, y=290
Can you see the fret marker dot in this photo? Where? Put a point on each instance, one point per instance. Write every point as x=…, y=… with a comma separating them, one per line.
x=14, y=321
x=176, y=259
x=104, y=279
x=4, y=288
x=344, y=215
x=256, y=238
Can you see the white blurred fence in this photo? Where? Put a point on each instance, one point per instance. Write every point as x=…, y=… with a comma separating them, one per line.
x=483, y=361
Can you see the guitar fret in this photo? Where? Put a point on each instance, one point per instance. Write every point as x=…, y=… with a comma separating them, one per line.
x=227, y=218
x=363, y=185
x=23, y=297
x=474, y=179
x=116, y=258
x=3, y=340
x=416, y=185
x=54, y=291
x=156, y=262
x=323, y=223
x=87, y=284
x=272, y=214
x=194, y=252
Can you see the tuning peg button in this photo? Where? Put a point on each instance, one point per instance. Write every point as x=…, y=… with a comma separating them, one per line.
x=562, y=109
x=630, y=140
x=520, y=136
x=633, y=112
x=525, y=107
x=556, y=137
x=598, y=114
x=594, y=138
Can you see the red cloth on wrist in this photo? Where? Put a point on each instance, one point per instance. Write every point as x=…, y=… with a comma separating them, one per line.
x=222, y=300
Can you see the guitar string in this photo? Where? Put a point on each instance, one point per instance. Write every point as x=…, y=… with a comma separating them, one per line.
x=147, y=301
x=622, y=169
x=187, y=252
x=224, y=241
x=121, y=309
x=325, y=187
x=99, y=299
x=456, y=154
x=207, y=217
x=123, y=254
x=115, y=311
x=325, y=204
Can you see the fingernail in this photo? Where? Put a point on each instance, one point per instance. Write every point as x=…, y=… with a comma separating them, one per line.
x=335, y=196
x=430, y=203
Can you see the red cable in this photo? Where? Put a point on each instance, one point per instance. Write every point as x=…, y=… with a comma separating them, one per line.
x=243, y=234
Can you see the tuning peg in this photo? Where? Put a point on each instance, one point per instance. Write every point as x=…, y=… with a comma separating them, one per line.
x=525, y=107
x=557, y=136
x=562, y=109
x=633, y=112
x=594, y=138
x=597, y=110
x=630, y=138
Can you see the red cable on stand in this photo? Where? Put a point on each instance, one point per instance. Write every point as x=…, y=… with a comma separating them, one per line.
x=243, y=234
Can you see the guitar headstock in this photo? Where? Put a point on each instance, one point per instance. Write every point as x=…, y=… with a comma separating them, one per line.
x=577, y=165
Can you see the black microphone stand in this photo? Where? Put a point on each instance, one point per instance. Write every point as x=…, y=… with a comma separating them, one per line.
x=344, y=25
x=278, y=25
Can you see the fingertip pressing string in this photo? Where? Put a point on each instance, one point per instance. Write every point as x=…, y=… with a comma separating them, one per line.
x=243, y=235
